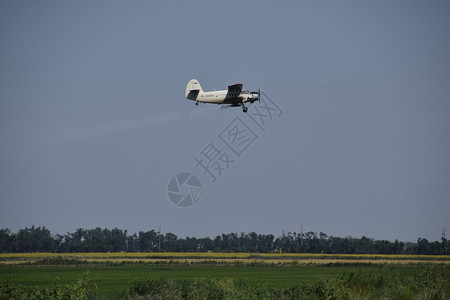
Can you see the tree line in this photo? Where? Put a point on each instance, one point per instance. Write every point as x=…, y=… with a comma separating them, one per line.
x=40, y=239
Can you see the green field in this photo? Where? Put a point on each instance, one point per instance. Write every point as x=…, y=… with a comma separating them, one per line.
x=111, y=280
x=221, y=276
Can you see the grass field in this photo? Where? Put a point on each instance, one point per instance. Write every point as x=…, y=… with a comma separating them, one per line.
x=113, y=279
x=113, y=274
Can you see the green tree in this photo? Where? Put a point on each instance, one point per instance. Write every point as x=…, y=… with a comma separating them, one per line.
x=423, y=246
x=5, y=240
x=34, y=239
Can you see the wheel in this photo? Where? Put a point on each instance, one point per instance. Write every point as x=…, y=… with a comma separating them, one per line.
x=244, y=109
x=196, y=103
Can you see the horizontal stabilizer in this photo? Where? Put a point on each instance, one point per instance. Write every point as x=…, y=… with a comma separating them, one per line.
x=192, y=95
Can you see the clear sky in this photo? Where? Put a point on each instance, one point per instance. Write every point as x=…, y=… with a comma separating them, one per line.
x=94, y=123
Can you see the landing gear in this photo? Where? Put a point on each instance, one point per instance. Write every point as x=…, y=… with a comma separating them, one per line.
x=196, y=103
x=244, y=108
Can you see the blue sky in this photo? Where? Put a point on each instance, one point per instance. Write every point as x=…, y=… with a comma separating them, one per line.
x=94, y=123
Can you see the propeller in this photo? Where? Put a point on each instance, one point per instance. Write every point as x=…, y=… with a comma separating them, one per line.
x=253, y=97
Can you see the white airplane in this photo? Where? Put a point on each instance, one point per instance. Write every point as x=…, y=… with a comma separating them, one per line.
x=235, y=95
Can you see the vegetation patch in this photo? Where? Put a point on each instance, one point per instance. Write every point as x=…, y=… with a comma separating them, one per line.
x=382, y=283
x=246, y=281
x=40, y=239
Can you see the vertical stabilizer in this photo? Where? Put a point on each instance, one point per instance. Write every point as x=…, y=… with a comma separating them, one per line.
x=193, y=88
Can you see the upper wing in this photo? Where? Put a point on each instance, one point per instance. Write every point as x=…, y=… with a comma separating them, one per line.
x=235, y=88
x=233, y=93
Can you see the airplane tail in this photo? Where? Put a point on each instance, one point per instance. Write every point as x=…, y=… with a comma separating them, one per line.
x=193, y=88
